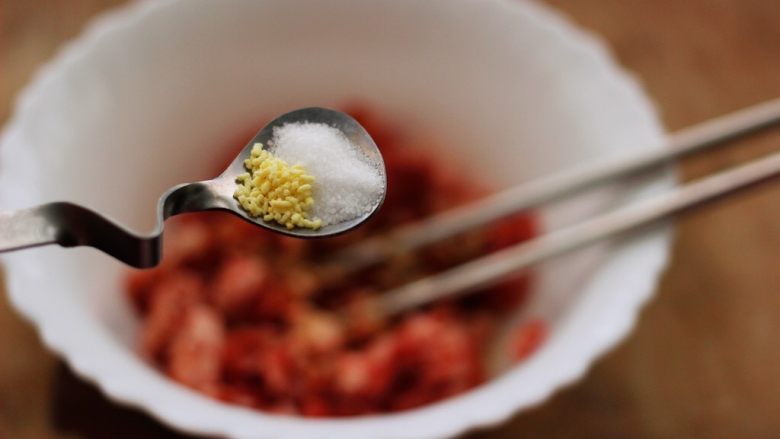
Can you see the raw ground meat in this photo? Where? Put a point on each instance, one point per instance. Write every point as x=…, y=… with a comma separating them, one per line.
x=242, y=315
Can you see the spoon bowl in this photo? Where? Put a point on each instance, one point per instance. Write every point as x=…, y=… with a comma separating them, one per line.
x=71, y=225
x=223, y=186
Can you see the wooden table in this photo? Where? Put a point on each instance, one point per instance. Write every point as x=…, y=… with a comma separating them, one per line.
x=704, y=358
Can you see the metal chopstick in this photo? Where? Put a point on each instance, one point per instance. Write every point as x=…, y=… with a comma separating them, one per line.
x=689, y=140
x=496, y=266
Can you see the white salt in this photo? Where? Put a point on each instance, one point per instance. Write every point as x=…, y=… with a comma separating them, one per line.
x=347, y=183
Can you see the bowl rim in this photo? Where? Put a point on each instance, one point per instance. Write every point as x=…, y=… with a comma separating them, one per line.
x=454, y=412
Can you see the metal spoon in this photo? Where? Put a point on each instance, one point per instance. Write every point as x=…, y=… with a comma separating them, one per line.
x=71, y=225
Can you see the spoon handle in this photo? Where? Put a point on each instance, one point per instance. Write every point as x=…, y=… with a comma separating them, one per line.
x=71, y=225
x=27, y=228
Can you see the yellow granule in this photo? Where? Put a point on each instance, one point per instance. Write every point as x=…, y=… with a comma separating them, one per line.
x=274, y=190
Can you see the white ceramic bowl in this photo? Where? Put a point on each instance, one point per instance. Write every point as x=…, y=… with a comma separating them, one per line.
x=142, y=100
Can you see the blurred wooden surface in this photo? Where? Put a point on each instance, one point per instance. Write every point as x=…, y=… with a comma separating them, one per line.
x=704, y=359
